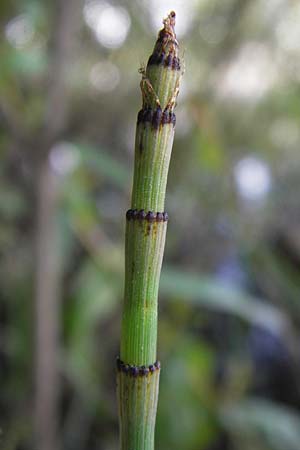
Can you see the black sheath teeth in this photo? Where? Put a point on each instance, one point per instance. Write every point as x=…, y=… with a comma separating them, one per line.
x=156, y=117
x=152, y=368
x=157, y=365
x=141, y=214
x=167, y=60
x=150, y=216
x=135, y=371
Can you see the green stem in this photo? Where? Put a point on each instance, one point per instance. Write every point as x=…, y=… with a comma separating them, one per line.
x=146, y=224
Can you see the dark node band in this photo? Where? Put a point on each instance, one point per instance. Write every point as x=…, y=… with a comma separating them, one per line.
x=166, y=60
x=137, y=371
x=150, y=216
x=156, y=117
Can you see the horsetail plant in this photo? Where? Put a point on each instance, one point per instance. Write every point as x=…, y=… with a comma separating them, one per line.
x=146, y=223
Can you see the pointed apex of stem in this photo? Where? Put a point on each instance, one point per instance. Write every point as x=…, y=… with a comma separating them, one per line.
x=169, y=24
x=166, y=48
x=160, y=82
x=167, y=42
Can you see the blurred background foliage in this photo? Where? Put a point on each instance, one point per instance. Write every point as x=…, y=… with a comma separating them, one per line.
x=229, y=297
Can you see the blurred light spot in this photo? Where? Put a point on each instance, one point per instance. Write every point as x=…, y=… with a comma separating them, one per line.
x=285, y=133
x=92, y=11
x=64, y=158
x=110, y=24
x=19, y=31
x=214, y=30
x=269, y=9
x=185, y=12
x=250, y=75
x=288, y=30
x=104, y=76
x=253, y=178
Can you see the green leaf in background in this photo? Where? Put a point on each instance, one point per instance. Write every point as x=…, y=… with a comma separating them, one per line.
x=210, y=293
x=102, y=162
x=262, y=425
x=94, y=300
x=188, y=372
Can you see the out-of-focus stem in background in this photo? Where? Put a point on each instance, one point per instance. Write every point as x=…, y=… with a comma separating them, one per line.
x=66, y=17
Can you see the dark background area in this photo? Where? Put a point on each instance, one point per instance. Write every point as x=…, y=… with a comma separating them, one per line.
x=229, y=307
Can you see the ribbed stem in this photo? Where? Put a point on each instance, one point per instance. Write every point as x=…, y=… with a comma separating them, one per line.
x=152, y=158
x=137, y=410
x=146, y=225
x=144, y=252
